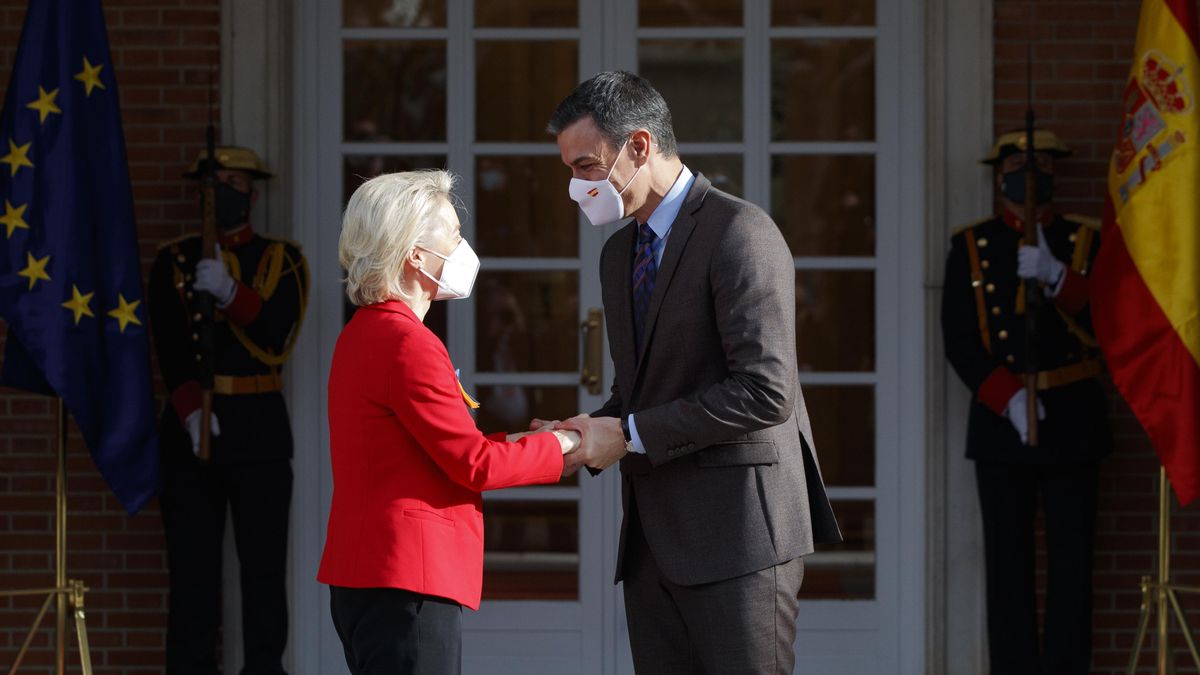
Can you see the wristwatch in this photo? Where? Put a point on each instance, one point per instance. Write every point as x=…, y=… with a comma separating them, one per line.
x=628, y=436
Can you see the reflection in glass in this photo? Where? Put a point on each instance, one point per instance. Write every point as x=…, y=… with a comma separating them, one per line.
x=835, y=320
x=530, y=550
x=845, y=571
x=701, y=81
x=522, y=208
x=725, y=171
x=526, y=13
x=357, y=169
x=393, y=13
x=845, y=432
x=822, y=90
x=517, y=86
x=825, y=204
x=527, y=321
x=689, y=13
x=394, y=90
x=822, y=13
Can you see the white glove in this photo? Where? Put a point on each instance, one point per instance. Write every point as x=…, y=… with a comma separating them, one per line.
x=213, y=276
x=1037, y=262
x=1017, y=412
x=193, y=428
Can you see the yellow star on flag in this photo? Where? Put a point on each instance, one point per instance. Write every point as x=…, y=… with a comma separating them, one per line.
x=35, y=270
x=79, y=304
x=125, y=313
x=13, y=218
x=90, y=76
x=16, y=157
x=45, y=104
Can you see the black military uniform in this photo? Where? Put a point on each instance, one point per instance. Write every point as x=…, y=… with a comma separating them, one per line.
x=250, y=467
x=983, y=323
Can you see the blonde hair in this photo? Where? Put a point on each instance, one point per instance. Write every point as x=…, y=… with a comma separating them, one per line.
x=386, y=217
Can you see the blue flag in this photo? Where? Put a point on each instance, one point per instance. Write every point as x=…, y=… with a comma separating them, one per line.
x=70, y=281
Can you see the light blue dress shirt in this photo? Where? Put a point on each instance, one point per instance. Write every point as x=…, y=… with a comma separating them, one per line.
x=660, y=221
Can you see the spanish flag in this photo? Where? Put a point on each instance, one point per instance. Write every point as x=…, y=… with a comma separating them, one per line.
x=1145, y=286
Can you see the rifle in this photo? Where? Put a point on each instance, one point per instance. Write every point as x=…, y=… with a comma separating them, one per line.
x=1033, y=296
x=204, y=301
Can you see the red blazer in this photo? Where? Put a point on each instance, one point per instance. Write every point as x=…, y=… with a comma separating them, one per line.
x=409, y=463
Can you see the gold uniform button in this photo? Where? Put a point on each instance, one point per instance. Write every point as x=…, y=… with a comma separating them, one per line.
x=1003, y=335
x=975, y=283
x=991, y=288
x=982, y=242
x=197, y=316
x=198, y=357
x=1010, y=359
x=985, y=264
x=195, y=337
x=995, y=311
x=181, y=258
x=1071, y=238
x=189, y=295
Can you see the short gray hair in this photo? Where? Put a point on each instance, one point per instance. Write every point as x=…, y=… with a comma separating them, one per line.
x=386, y=217
x=620, y=103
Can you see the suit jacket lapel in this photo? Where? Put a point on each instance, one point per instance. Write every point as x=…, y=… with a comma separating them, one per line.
x=620, y=272
x=681, y=231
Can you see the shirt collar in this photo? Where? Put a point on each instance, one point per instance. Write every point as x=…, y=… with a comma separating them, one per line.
x=237, y=236
x=660, y=221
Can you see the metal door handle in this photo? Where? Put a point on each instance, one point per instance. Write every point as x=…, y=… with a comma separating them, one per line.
x=593, y=344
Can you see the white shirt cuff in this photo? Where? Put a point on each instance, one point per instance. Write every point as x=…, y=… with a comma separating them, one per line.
x=635, y=441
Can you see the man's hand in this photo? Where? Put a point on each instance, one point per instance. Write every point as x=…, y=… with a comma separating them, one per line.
x=603, y=442
x=213, y=276
x=193, y=428
x=1017, y=412
x=536, y=424
x=1038, y=262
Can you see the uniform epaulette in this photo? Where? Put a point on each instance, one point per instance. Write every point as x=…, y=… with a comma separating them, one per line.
x=973, y=223
x=1086, y=221
x=177, y=240
x=283, y=240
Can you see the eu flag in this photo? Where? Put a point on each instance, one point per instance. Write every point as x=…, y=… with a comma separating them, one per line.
x=70, y=282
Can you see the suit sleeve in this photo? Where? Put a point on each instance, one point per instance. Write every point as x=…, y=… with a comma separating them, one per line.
x=423, y=392
x=992, y=383
x=753, y=282
x=172, y=337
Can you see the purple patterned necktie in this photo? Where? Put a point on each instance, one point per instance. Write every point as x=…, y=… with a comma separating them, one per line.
x=644, y=273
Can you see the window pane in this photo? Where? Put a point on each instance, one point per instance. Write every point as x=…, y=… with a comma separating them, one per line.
x=845, y=571
x=527, y=322
x=523, y=209
x=394, y=91
x=530, y=550
x=369, y=13
x=825, y=204
x=689, y=13
x=844, y=432
x=822, y=90
x=518, y=84
x=725, y=171
x=701, y=81
x=822, y=13
x=835, y=320
x=526, y=13
x=509, y=408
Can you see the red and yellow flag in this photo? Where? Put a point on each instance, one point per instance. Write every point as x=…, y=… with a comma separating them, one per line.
x=1146, y=283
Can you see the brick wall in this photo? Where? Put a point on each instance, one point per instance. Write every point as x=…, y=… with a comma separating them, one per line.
x=1082, y=55
x=162, y=52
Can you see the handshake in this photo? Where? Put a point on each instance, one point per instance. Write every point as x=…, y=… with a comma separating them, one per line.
x=595, y=442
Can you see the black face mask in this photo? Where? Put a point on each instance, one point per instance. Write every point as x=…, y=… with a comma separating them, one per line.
x=232, y=207
x=1012, y=186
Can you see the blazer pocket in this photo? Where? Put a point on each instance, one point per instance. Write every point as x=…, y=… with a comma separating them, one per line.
x=742, y=453
x=421, y=514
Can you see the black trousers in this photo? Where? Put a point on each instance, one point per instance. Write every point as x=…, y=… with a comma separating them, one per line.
x=390, y=631
x=1008, y=497
x=742, y=625
x=194, y=498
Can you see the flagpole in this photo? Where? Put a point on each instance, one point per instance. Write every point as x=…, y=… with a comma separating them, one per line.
x=1164, y=566
x=60, y=541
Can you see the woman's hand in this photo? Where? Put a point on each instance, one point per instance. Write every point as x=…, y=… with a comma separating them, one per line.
x=568, y=440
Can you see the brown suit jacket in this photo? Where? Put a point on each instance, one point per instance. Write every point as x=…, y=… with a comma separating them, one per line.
x=730, y=482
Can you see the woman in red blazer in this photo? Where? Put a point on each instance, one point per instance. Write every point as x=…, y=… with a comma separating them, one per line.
x=404, y=548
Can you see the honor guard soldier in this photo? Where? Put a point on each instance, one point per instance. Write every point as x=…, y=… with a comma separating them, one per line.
x=984, y=327
x=257, y=289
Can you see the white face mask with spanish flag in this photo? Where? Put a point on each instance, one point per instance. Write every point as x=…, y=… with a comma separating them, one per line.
x=599, y=199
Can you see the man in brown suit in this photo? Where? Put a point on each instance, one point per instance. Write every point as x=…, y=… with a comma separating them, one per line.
x=721, y=489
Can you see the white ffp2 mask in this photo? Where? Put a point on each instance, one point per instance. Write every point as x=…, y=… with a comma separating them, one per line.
x=458, y=272
x=599, y=199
